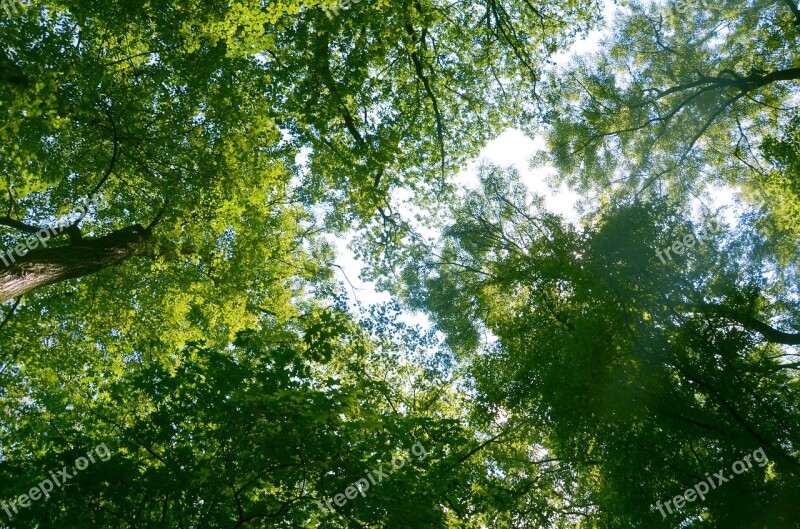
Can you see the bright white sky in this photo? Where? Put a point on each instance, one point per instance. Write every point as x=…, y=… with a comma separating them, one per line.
x=511, y=148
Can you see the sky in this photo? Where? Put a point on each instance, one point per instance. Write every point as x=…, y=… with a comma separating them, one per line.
x=511, y=148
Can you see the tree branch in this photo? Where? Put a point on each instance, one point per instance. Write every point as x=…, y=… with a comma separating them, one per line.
x=6, y=220
x=114, y=155
x=10, y=313
x=73, y=230
x=751, y=323
x=327, y=77
x=426, y=84
x=795, y=11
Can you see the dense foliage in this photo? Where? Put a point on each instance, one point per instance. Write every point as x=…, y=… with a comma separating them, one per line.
x=578, y=373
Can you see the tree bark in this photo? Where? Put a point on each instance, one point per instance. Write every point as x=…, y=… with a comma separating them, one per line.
x=45, y=266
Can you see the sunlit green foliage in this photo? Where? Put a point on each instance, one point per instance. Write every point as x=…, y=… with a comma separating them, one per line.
x=572, y=378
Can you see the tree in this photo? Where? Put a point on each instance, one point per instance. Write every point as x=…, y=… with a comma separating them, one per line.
x=188, y=119
x=676, y=98
x=586, y=372
x=643, y=375
x=171, y=321
x=265, y=432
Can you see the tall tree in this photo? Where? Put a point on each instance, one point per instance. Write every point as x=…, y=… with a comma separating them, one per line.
x=188, y=118
x=643, y=373
x=193, y=98
x=188, y=325
x=680, y=94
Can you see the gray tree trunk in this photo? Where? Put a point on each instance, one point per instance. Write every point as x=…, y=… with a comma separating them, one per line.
x=45, y=266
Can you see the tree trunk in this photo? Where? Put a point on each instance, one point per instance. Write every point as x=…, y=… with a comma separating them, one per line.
x=45, y=266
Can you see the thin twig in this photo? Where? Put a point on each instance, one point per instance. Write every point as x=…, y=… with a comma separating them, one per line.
x=10, y=313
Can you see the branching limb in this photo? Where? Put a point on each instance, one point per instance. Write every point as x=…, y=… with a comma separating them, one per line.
x=795, y=11
x=6, y=220
x=72, y=230
x=751, y=323
x=415, y=59
x=10, y=313
x=327, y=78
x=114, y=155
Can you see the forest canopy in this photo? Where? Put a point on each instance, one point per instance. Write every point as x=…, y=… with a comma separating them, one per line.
x=180, y=347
